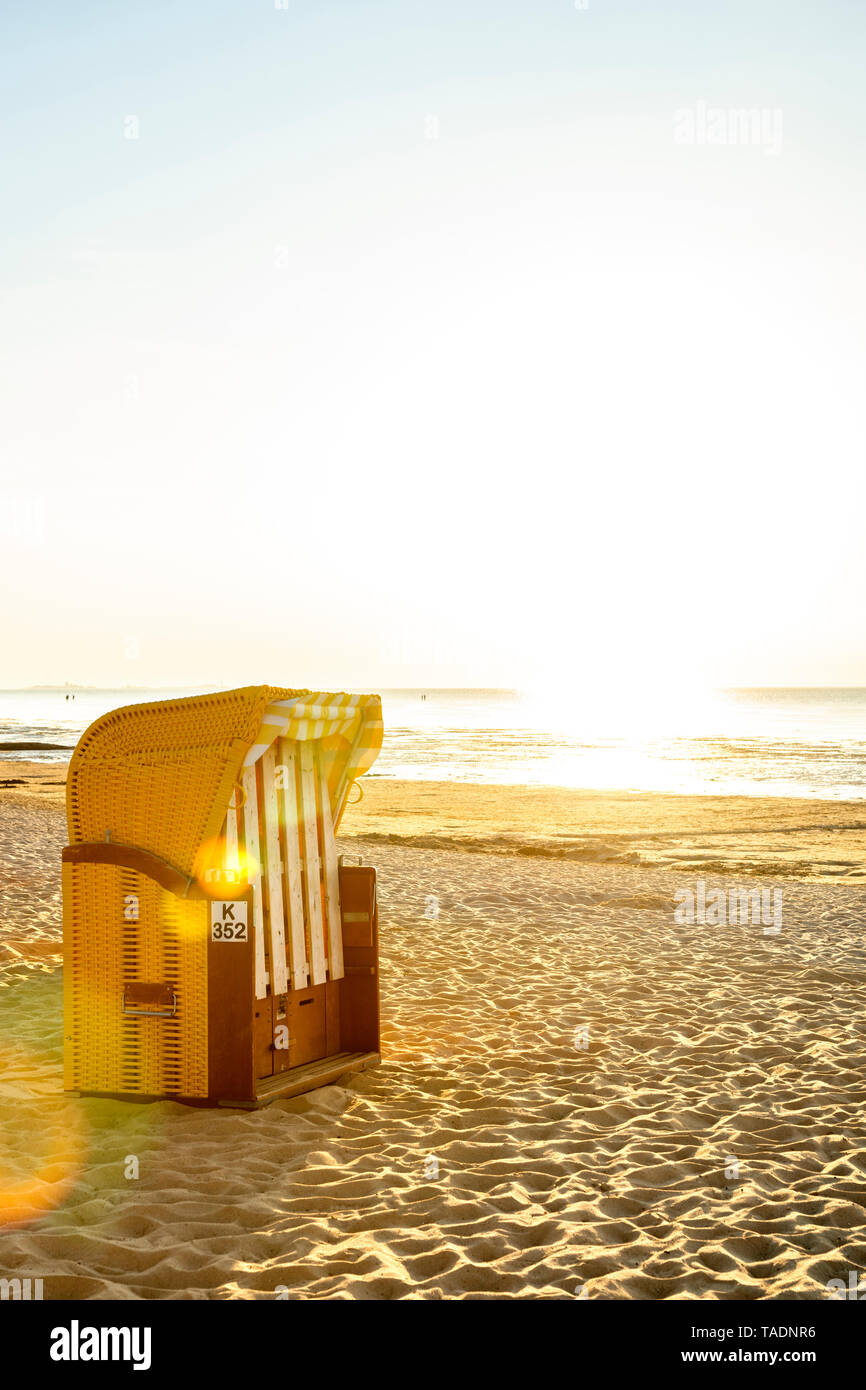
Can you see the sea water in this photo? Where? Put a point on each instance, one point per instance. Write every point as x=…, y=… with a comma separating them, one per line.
x=809, y=742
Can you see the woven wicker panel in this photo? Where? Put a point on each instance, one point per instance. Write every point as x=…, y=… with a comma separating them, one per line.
x=92, y=976
x=158, y=775
x=111, y=1051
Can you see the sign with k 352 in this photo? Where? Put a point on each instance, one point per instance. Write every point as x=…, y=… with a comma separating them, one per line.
x=228, y=921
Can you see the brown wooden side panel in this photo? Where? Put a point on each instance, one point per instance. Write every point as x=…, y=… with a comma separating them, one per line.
x=332, y=1017
x=359, y=989
x=263, y=1037
x=231, y=984
x=280, y=1008
x=307, y=1025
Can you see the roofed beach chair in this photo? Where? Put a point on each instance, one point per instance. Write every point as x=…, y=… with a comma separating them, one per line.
x=215, y=947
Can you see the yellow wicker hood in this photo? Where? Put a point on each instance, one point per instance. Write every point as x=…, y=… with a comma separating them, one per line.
x=160, y=776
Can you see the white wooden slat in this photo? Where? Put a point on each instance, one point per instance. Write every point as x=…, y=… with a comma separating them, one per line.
x=297, y=941
x=331, y=877
x=254, y=857
x=232, y=862
x=312, y=874
x=274, y=868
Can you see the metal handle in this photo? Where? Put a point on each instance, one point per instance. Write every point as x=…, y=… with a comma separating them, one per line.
x=151, y=1013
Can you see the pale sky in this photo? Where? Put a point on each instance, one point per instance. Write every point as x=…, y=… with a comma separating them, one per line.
x=408, y=344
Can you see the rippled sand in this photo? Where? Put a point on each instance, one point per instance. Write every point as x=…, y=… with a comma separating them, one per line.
x=577, y=1096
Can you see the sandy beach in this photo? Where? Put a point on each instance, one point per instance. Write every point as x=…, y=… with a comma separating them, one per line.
x=578, y=1095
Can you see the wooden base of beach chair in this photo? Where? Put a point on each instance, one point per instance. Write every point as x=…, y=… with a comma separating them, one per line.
x=283, y=1086
x=297, y=1080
